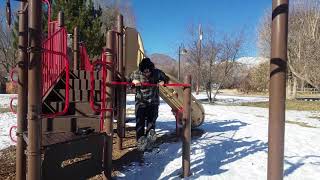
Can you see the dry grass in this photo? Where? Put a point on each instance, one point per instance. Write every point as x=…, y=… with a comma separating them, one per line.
x=290, y=105
x=302, y=124
x=4, y=110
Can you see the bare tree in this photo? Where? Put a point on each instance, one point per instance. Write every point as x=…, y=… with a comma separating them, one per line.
x=210, y=51
x=303, y=43
x=216, y=63
x=229, y=50
x=8, y=54
x=110, y=8
x=194, y=56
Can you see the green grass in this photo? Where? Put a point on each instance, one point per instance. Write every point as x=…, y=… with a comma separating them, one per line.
x=290, y=105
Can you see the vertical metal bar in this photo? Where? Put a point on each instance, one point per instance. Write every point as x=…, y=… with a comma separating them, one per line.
x=76, y=61
x=109, y=104
x=60, y=19
x=34, y=87
x=60, y=45
x=277, y=89
x=186, y=120
x=22, y=92
x=122, y=92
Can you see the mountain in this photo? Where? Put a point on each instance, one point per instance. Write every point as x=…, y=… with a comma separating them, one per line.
x=165, y=63
x=162, y=59
x=251, y=61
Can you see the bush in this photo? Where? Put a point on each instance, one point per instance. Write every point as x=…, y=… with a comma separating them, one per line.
x=11, y=88
x=257, y=80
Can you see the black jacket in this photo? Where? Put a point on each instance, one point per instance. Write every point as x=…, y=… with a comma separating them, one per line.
x=146, y=95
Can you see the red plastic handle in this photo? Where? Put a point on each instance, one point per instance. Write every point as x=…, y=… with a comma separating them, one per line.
x=12, y=72
x=10, y=133
x=11, y=106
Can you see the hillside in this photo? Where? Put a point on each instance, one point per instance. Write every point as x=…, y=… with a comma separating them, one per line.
x=165, y=63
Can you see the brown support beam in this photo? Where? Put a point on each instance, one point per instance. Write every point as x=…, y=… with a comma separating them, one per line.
x=111, y=35
x=34, y=88
x=22, y=92
x=122, y=92
x=277, y=89
x=186, y=129
x=76, y=49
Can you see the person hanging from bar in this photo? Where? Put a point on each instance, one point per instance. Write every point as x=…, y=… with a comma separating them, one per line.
x=147, y=101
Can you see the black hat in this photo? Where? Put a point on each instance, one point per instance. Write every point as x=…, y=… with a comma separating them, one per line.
x=146, y=64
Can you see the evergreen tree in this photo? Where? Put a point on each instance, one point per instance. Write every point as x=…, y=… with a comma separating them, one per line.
x=84, y=15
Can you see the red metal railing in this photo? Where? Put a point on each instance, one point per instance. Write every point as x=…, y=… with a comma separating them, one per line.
x=103, y=84
x=52, y=25
x=85, y=63
x=54, y=58
x=55, y=63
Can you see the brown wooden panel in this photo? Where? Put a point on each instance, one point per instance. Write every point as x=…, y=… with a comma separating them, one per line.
x=70, y=124
x=65, y=160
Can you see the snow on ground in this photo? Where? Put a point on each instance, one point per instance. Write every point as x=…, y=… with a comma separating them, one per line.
x=233, y=144
x=6, y=121
x=5, y=100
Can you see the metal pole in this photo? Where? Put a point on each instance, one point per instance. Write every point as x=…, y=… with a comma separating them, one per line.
x=199, y=61
x=179, y=64
x=122, y=93
x=111, y=35
x=22, y=92
x=76, y=49
x=186, y=128
x=60, y=19
x=34, y=87
x=277, y=90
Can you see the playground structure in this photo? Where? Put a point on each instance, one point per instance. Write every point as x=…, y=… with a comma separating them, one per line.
x=96, y=148
x=71, y=108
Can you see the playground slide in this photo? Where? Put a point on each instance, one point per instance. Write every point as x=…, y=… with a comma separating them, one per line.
x=134, y=52
x=173, y=96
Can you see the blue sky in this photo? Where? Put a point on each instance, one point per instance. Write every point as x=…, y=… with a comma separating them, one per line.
x=163, y=23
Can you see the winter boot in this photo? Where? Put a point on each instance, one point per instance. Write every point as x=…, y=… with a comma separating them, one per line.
x=151, y=139
x=142, y=143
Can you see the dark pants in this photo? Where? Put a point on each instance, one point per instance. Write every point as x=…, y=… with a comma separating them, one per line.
x=145, y=115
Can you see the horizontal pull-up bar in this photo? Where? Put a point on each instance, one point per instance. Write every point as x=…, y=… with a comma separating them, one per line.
x=150, y=84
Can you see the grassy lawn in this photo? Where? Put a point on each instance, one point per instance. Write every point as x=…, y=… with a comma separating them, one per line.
x=290, y=105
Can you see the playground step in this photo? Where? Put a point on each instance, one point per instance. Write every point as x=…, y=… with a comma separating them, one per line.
x=74, y=95
x=75, y=108
x=80, y=84
x=82, y=74
x=84, y=84
x=70, y=123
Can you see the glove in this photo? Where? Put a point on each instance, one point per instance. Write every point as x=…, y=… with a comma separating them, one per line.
x=161, y=83
x=136, y=83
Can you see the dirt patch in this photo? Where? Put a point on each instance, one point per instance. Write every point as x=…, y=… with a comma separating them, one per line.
x=7, y=163
x=121, y=158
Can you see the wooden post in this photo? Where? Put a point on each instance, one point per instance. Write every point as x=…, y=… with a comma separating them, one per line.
x=186, y=129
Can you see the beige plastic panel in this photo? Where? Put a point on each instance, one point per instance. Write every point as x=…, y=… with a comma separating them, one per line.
x=173, y=96
x=134, y=50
